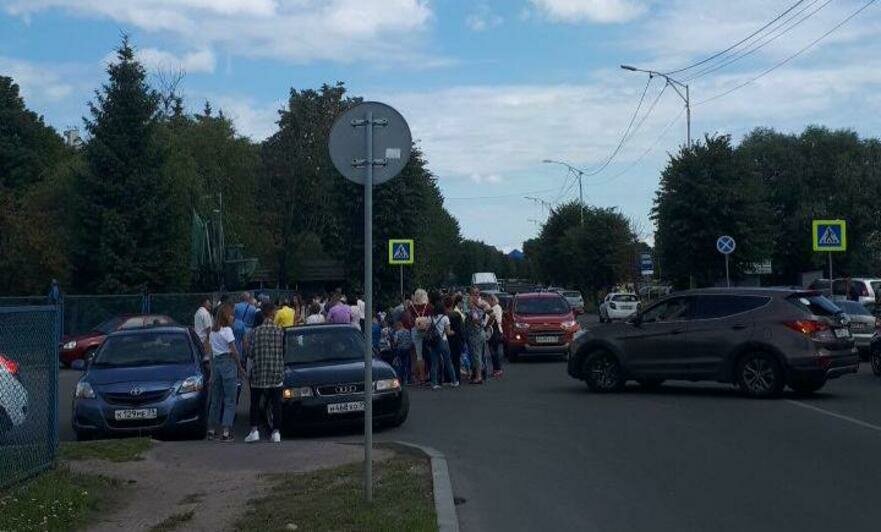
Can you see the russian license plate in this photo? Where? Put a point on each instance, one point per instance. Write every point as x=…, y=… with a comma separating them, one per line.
x=345, y=408
x=547, y=339
x=139, y=413
x=842, y=333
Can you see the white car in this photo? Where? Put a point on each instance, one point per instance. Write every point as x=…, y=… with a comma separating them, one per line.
x=618, y=306
x=864, y=290
x=13, y=396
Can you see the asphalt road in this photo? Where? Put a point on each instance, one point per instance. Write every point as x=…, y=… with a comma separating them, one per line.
x=536, y=451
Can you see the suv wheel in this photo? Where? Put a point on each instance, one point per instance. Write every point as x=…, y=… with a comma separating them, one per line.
x=602, y=372
x=759, y=375
x=876, y=363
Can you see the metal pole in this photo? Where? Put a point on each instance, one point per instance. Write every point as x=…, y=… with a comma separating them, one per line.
x=402, y=282
x=368, y=319
x=581, y=196
x=688, y=115
x=727, y=277
x=831, y=283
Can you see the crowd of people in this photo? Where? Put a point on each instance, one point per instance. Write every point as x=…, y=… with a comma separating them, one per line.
x=431, y=339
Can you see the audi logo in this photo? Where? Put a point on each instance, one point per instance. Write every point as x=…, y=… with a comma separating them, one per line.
x=347, y=388
x=136, y=391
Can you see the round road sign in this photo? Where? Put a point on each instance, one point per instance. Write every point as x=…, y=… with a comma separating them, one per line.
x=391, y=142
x=725, y=244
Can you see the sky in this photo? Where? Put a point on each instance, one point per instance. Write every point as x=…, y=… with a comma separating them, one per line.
x=490, y=88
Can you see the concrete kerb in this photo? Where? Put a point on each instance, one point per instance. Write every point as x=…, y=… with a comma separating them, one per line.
x=445, y=507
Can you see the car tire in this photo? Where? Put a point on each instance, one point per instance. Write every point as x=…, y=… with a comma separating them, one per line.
x=807, y=387
x=759, y=375
x=602, y=372
x=876, y=363
x=650, y=383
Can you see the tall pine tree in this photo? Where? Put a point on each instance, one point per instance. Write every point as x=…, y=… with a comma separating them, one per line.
x=132, y=232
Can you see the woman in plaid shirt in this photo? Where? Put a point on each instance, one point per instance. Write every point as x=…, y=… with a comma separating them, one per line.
x=267, y=374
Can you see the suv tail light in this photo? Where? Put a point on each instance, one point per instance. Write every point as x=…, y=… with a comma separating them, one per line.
x=812, y=328
x=9, y=365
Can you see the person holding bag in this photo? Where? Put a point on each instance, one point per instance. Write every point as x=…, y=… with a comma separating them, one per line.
x=438, y=344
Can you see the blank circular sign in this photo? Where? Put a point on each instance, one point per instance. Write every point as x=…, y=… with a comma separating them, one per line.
x=391, y=142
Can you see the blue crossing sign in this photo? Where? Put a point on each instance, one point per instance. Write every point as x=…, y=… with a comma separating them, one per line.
x=400, y=251
x=829, y=235
x=725, y=245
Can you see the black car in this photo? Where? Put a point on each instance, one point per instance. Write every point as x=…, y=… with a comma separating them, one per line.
x=324, y=381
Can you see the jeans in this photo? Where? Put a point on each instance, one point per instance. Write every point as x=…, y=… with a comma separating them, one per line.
x=440, y=358
x=224, y=374
x=258, y=410
x=495, y=351
x=404, y=373
x=417, y=342
x=477, y=349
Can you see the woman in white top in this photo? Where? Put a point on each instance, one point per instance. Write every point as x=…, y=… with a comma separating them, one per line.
x=315, y=316
x=439, y=348
x=225, y=368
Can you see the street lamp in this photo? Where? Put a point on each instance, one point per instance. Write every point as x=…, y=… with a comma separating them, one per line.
x=677, y=86
x=580, y=173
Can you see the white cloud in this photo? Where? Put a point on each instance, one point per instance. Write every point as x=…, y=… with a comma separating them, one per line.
x=155, y=60
x=490, y=179
x=483, y=18
x=601, y=11
x=386, y=31
x=43, y=83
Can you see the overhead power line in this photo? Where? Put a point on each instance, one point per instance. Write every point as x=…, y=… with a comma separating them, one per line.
x=791, y=57
x=496, y=196
x=735, y=45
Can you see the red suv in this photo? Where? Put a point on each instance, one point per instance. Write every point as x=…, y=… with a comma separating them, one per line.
x=82, y=346
x=538, y=323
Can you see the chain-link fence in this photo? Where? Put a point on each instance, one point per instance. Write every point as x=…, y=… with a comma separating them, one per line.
x=28, y=391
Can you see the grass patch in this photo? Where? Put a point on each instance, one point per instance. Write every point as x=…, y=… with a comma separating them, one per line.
x=174, y=521
x=123, y=450
x=57, y=500
x=333, y=499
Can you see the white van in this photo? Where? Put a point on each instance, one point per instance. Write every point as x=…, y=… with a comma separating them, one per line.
x=485, y=281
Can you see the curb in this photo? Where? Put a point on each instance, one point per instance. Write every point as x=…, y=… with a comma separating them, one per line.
x=447, y=519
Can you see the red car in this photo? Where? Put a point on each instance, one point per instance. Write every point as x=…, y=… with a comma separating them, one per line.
x=82, y=346
x=538, y=323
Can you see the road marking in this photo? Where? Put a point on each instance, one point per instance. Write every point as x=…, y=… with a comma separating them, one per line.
x=853, y=420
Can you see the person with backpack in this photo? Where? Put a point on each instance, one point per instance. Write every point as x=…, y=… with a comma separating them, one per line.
x=437, y=342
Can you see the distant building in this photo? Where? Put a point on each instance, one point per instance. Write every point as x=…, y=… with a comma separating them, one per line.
x=72, y=138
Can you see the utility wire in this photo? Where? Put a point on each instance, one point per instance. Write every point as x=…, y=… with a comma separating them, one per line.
x=758, y=45
x=791, y=57
x=735, y=45
x=495, y=196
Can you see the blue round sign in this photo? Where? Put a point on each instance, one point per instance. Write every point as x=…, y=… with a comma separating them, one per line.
x=725, y=244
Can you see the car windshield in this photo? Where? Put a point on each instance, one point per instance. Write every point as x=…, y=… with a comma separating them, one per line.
x=853, y=308
x=625, y=298
x=816, y=304
x=318, y=344
x=107, y=327
x=151, y=349
x=536, y=306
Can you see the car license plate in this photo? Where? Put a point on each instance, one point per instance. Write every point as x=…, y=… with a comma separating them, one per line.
x=842, y=333
x=344, y=408
x=546, y=339
x=140, y=413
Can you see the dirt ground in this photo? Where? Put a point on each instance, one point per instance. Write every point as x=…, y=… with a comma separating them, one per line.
x=213, y=480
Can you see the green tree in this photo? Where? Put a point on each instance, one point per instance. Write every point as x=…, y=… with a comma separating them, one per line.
x=132, y=231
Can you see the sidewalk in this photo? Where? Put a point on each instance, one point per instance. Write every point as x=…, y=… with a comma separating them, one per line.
x=208, y=484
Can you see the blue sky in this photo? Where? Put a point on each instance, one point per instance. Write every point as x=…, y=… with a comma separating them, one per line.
x=490, y=88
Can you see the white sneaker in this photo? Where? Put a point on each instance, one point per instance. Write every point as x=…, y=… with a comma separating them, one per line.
x=276, y=437
x=253, y=437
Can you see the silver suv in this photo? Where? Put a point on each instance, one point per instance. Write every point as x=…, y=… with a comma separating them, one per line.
x=759, y=339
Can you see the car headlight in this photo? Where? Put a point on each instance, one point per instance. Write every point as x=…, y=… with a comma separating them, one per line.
x=84, y=391
x=296, y=393
x=69, y=345
x=579, y=335
x=190, y=385
x=569, y=324
x=385, y=385
x=613, y=306
x=520, y=325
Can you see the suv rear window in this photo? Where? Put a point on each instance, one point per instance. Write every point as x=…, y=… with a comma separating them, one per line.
x=816, y=304
x=853, y=308
x=625, y=298
x=719, y=306
x=537, y=306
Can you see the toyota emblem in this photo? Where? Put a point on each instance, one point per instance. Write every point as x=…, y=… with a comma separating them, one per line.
x=136, y=391
x=349, y=388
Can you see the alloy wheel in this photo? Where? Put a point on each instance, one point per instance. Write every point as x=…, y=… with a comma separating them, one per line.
x=759, y=376
x=605, y=372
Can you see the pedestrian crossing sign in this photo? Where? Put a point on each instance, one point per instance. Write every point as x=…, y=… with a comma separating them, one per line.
x=400, y=251
x=830, y=235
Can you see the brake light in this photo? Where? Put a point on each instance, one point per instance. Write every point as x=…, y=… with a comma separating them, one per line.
x=9, y=365
x=807, y=327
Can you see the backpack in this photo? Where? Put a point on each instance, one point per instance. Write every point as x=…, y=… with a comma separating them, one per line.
x=431, y=337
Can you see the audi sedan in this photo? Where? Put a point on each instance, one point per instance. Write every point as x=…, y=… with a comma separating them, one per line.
x=324, y=381
x=143, y=382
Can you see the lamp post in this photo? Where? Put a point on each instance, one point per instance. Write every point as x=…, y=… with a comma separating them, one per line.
x=678, y=86
x=580, y=173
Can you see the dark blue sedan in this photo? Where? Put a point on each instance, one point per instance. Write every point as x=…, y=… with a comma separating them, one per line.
x=324, y=381
x=143, y=382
